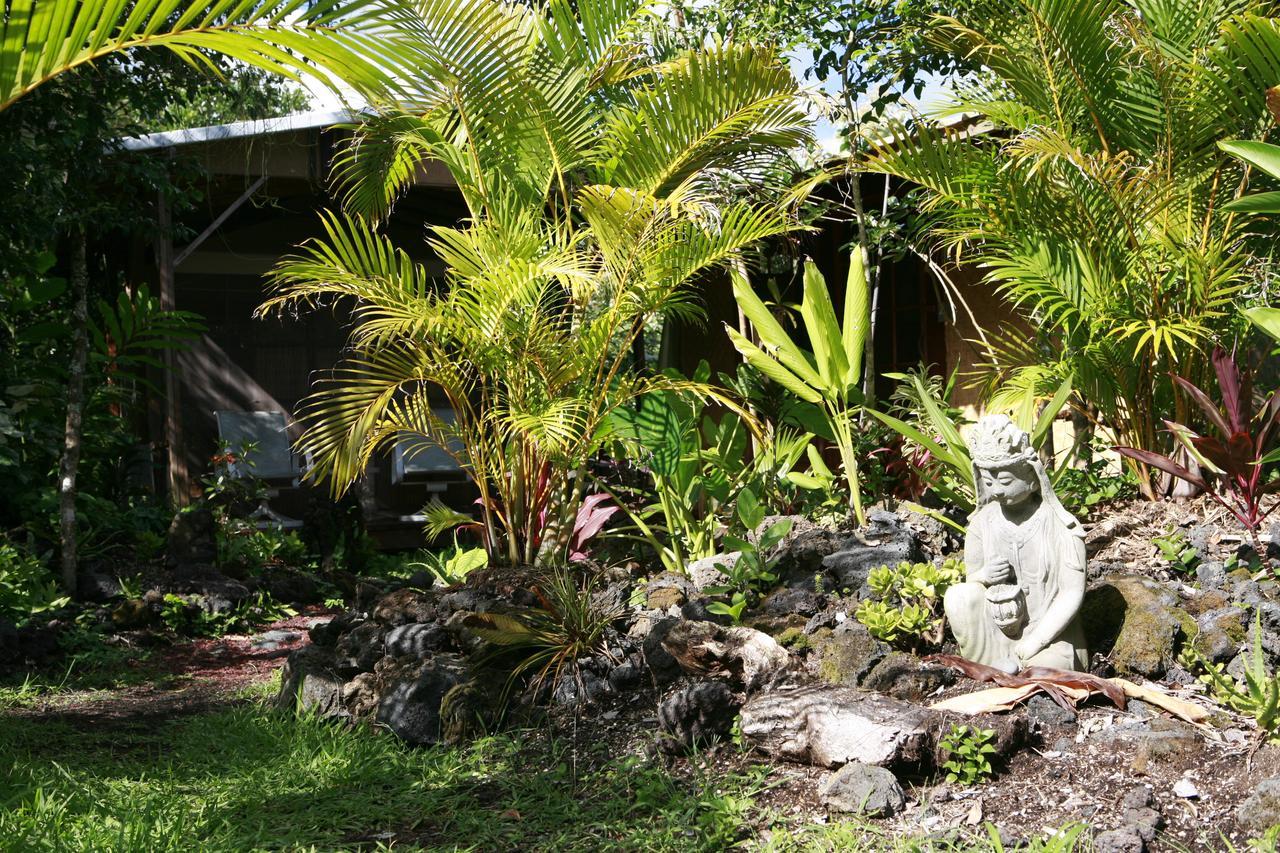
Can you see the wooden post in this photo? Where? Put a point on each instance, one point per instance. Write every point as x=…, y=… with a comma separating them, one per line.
x=178, y=479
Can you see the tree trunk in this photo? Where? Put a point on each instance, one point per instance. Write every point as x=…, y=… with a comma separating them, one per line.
x=73, y=434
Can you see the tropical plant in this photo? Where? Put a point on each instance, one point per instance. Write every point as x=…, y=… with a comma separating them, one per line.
x=830, y=376
x=752, y=571
x=1096, y=204
x=453, y=564
x=1174, y=550
x=968, y=751
x=1257, y=695
x=550, y=641
x=328, y=40
x=906, y=602
x=933, y=427
x=599, y=184
x=26, y=586
x=1239, y=477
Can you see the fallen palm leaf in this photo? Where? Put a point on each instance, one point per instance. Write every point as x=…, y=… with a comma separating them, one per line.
x=1180, y=708
x=1062, y=686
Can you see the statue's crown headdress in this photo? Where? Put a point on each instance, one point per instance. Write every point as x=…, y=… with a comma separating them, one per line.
x=997, y=443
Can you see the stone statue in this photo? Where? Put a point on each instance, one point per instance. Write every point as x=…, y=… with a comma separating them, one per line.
x=1025, y=561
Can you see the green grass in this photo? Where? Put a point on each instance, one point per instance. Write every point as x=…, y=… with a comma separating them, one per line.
x=243, y=778
x=89, y=665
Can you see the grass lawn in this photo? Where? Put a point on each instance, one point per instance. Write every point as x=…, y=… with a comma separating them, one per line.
x=244, y=778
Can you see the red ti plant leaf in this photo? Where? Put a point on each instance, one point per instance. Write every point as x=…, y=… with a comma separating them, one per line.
x=1236, y=392
x=1163, y=463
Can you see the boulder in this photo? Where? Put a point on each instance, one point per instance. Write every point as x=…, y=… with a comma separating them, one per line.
x=405, y=606
x=191, y=537
x=697, y=715
x=417, y=639
x=752, y=659
x=668, y=590
x=905, y=676
x=1262, y=808
x=1137, y=622
x=849, y=654
x=97, y=587
x=792, y=601
x=311, y=681
x=798, y=558
x=360, y=648
x=710, y=571
x=217, y=593
x=1048, y=713
x=885, y=541
x=411, y=709
x=663, y=668
x=862, y=789
x=582, y=687
x=328, y=633
x=828, y=726
x=1220, y=634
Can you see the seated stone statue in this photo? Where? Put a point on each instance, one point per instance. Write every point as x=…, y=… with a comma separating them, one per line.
x=1025, y=561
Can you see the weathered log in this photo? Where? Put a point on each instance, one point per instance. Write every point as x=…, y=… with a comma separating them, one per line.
x=830, y=725
x=748, y=657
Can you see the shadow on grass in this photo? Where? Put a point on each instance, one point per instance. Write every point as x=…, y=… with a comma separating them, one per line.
x=243, y=778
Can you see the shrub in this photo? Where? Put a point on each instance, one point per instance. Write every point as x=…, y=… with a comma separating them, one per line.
x=967, y=751
x=27, y=587
x=907, y=606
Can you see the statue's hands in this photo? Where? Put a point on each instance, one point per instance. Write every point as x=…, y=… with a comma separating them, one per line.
x=1027, y=648
x=995, y=572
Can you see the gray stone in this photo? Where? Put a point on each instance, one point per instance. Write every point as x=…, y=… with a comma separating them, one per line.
x=799, y=558
x=1211, y=574
x=1136, y=621
x=750, y=658
x=97, y=587
x=411, y=709
x=311, y=681
x=404, y=606
x=216, y=592
x=273, y=640
x=849, y=654
x=885, y=541
x=360, y=648
x=862, y=789
x=1123, y=840
x=710, y=571
x=582, y=687
x=1262, y=809
x=465, y=599
x=328, y=633
x=663, y=668
x=792, y=601
x=418, y=639
x=1048, y=713
x=828, y=726
x=629, y=674
x=668, y=590
x=697, y=715
x=904, y=676
x=1221, y=633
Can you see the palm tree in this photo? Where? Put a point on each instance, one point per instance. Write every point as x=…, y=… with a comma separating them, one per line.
x=1097, y=204
x=332, y=40
x=600, y=181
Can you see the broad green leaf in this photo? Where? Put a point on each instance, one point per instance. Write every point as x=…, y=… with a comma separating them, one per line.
x=770, y=367
x=824, y=334
x=1050, y=413
x=1260, y=154
x=1266, y=319
x=772, y=336
x=1268, y=202
x=857, y=315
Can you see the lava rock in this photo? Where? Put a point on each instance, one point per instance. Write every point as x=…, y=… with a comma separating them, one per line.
x=629, y=674
x=711, y=571
x=1221, y=632
x=1137, y=621
x=862, y=789
x=405, y=606
x=97, y=587
x=1048, y=713
x=311, y=681
x=191, y=537
x=216, y=592
x=792, y=601
x=663, y=668
x=885, y=541
x=411, y=709
x=697, y=715
x=668, y=590
x=1262, y=809
x=798, y=559
x=904, y=676
x=327, y=633
x=1123, y=840
x=417, y=639
x=581, y=688
x=849, y=654
x=748, y=657
x=360, y=648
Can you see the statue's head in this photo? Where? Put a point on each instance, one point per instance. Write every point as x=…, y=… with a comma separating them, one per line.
x=1006, y=467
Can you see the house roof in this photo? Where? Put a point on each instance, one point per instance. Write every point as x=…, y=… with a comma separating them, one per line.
x=237, y=130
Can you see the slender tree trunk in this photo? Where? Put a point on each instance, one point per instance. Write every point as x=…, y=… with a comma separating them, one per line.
x=73, y=434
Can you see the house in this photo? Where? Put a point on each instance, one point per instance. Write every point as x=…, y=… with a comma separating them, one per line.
x=263, y=183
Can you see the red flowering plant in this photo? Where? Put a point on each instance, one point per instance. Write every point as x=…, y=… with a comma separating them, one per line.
x=1237, y=456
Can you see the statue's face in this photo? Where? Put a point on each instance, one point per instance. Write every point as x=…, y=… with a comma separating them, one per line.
x=1010, y=486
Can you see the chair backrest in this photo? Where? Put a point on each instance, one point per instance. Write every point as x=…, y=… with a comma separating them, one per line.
x=419, y=456
x=272, y=457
